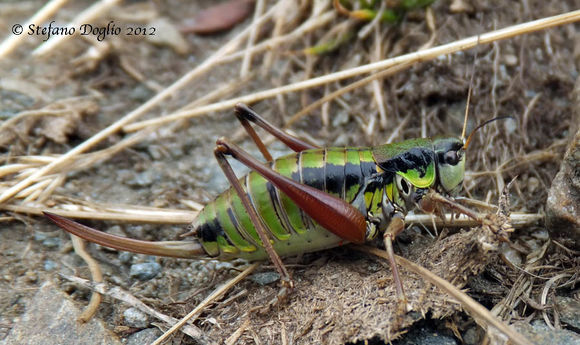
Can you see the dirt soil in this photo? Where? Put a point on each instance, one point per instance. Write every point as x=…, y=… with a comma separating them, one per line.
x=342, y=295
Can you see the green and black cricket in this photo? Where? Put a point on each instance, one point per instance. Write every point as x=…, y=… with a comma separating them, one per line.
x=313, y=199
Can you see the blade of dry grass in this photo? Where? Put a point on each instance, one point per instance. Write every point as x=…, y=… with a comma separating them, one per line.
x=11, y=42
x=333, y=95
x=96, y=275
x=317, y=20
x=87, y=16
x=247, y=60
x=232, y=339
x=517, y=219
x=122, y=213
x=544, y=297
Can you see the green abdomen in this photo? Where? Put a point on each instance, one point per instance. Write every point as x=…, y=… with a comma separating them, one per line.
x=224, y=227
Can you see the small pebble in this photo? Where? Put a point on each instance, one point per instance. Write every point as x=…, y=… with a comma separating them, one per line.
x=541, y=234
x=49, y=265
x=145, y=271
x=168, y=35
x=472, y=336
x=510, y=125
x=140, y=93
x=144, y=179
x=533, y=184
x=135, y=318
x=569, y=309
x=222, y=265
x=265, y=278
x=51, y=242
x=510, y=59
x=125, y=257
x=146, y=336
x=176, y=151
x=31, y=277
x=156, y=152
x=40, y=236
x=511, y=255
x=137, y=231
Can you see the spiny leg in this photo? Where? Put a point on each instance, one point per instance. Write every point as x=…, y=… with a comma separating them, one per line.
x=246, y=115
x=396, y=226
x=427, y=204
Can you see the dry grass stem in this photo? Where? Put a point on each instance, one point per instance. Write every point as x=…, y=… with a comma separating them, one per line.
x=315, y=22
x=397, y=131
x=544, y=298
x=373, y=24
x=377, y=86
x=225, y=89
x=238, y=333
x=518, y=220
x=280, y=19
x=123, y=213
x=87, y=16
x=353, y=86
x=12, y=41
x=38, y=113
x=247, y=60
x=26, y=192
x=96, y=276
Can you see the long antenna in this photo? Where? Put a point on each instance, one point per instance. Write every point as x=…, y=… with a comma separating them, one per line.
x=469, y=94
x=466, y=144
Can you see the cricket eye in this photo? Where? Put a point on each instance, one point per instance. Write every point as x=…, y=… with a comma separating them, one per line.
x=451, y=157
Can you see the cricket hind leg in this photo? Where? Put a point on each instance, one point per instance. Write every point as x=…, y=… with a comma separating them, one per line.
x=220, y=153
x=246, y=115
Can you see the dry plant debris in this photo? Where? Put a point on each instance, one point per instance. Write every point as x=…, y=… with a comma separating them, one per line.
x=529, y=77
x=57, y=122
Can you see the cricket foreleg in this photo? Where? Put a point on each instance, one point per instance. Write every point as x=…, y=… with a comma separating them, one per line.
x=396, y=226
